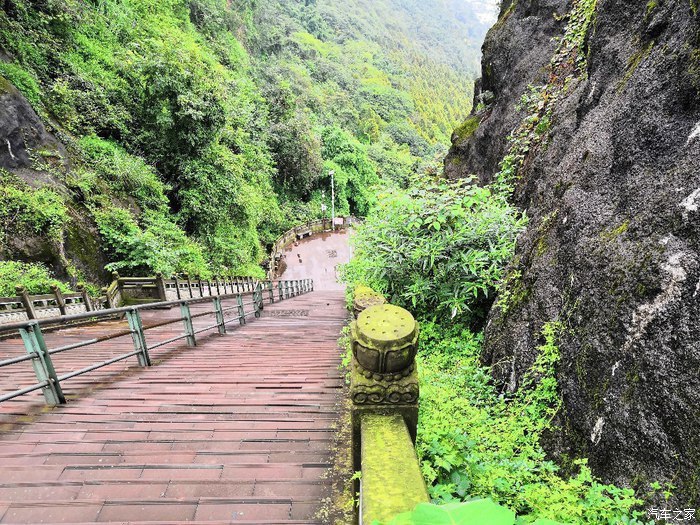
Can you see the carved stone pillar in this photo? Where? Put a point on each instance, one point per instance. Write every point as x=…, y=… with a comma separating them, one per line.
x=384, y=378
x=364, y=298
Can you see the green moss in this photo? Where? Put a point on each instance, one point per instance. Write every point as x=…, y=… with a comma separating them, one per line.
x=506, y=15
x=694, y=69
x=611, y=235
x=392, y=482
x=467, y=129
x=543, y=230
x=512, y=292
x=633, y=63
x=632, y=380
x=651, y=5
x=5, y=85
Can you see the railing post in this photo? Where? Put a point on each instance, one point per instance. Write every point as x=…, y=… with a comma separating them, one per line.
x=257, y=296
x=223, y=277
x=220, y=321
x=133, y=317
x=60, y=301
x=43, y=366
x=241, y=309
x=187, y=320
x=216, y=280
x=189, y=284
x=271, y=291
x=384, y=377
x=312, y=284
x=177, y=286
x=26, y=301
x=105, y=291
x=160, y=284
x=199, y=285
x=86, y=297
x=280, y=288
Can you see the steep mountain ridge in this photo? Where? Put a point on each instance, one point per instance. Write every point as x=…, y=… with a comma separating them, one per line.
x=610, y=181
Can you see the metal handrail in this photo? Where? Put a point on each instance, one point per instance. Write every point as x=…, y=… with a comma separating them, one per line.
x=40, y=354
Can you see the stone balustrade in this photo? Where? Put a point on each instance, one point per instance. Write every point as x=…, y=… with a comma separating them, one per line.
x=384, y=390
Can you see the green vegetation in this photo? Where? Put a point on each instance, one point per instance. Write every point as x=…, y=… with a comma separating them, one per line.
x=36, y=278
x=29, y=211
x=23, y=81
x=437, y=248
x=198, y=131
x=473, y=441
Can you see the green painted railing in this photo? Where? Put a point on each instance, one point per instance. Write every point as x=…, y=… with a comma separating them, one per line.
x=247, y=304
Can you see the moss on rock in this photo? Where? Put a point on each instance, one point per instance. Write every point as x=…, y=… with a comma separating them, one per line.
x=466, y=130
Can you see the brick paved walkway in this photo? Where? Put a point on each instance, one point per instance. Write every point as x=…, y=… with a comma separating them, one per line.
x=236, y=430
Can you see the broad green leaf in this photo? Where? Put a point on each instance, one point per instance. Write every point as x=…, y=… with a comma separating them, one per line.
x=477, y=512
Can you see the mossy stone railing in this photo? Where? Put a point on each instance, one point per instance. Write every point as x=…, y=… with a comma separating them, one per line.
x=391, y=482
x=384, y=391
x=122, y=291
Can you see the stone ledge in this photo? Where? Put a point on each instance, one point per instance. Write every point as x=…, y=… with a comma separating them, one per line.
x=391, y=481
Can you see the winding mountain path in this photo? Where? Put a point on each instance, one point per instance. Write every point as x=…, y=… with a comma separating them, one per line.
x=236, y=430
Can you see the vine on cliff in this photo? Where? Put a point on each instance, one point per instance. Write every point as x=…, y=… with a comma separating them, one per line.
x=568, y=64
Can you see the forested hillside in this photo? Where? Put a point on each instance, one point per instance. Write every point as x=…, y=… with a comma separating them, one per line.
x=185, y=135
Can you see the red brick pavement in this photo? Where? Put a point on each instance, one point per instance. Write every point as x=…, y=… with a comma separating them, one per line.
x=235, y=430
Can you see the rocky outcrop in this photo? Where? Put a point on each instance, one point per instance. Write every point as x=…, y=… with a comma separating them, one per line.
x=612, y=250
x=21, y=130
x=24, y=139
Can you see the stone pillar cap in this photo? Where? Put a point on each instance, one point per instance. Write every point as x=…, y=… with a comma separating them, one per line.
x=386, y=323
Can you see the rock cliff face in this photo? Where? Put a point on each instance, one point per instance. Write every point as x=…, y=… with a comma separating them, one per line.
x=611, y=184
x=22, y=137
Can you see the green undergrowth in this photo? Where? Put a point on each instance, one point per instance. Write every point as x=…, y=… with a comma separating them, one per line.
x=473, y=442
x=568, y=64
x=27, y=211
x=35, y=278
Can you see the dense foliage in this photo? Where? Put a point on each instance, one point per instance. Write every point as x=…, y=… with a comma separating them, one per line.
x=35, y=278
x=199, y=130
x=438, y=248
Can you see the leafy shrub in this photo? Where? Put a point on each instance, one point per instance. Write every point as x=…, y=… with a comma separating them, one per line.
x=158, y=246
x=438, y=248
x=474, y=443
x=35, y=277
x=127, y=175
x=28, y=210
x=23, y=81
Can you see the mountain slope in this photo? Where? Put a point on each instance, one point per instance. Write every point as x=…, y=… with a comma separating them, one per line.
x=190, y=133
